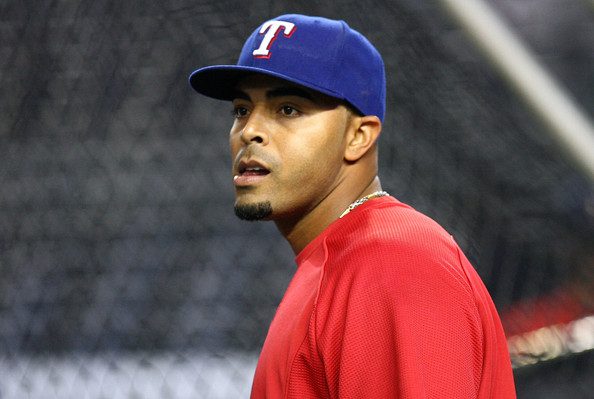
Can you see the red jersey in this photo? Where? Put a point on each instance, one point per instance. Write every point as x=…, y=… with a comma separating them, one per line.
x=384, y=305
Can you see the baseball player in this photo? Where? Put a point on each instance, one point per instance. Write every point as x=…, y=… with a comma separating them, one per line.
x=383, y=303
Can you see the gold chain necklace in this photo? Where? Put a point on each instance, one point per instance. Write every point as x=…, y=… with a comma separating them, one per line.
x=360, y=201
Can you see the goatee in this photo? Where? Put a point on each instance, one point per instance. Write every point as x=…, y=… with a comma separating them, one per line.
x=252, y=212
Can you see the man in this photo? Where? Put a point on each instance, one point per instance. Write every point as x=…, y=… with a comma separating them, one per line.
x=383, y=303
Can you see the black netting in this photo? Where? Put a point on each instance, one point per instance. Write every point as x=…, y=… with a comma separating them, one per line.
x=123, y=271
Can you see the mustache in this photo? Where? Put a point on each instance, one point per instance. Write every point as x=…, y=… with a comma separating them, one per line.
x=254, y=153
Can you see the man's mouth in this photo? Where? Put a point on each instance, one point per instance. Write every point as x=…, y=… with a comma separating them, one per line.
x=250, y=173
x=253, y=171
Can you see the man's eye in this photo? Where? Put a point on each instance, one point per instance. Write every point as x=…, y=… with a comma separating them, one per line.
x=287, y=110
x=240, y=112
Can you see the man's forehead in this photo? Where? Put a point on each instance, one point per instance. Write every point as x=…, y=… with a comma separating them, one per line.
x=261, y=80
x=273, y=87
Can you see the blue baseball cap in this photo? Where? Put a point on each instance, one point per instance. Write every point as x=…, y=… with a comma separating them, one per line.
x=318, y=53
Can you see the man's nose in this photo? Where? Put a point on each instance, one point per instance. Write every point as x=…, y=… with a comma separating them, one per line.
x=255, y=130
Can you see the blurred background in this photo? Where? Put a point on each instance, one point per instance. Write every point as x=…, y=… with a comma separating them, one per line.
x=125, y=274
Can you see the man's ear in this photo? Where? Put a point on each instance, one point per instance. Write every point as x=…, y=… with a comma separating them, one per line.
x=363, y=133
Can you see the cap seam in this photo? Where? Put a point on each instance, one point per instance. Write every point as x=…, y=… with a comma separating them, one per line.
x=338, y=65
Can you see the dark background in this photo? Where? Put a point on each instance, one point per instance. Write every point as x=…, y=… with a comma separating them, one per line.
x=117, y=233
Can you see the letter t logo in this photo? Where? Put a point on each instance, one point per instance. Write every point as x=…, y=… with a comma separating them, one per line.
x=272, y=29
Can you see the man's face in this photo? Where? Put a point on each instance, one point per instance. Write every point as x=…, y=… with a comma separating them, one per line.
x=287, y=145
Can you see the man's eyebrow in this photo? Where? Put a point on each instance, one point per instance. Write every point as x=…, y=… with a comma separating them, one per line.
x=238, y=94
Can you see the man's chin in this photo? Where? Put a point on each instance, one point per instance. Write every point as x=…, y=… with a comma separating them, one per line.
x=253, y=211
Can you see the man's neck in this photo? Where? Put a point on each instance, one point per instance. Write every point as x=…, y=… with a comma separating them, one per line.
x=301, y=232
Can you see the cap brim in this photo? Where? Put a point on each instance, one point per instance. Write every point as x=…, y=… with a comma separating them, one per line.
x=220, y=81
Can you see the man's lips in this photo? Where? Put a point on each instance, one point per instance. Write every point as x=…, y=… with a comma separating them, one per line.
x=249, y=172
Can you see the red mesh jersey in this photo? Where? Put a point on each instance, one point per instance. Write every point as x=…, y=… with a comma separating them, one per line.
x=384, y=305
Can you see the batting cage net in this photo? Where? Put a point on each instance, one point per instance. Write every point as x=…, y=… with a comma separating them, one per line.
x=125, y=274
